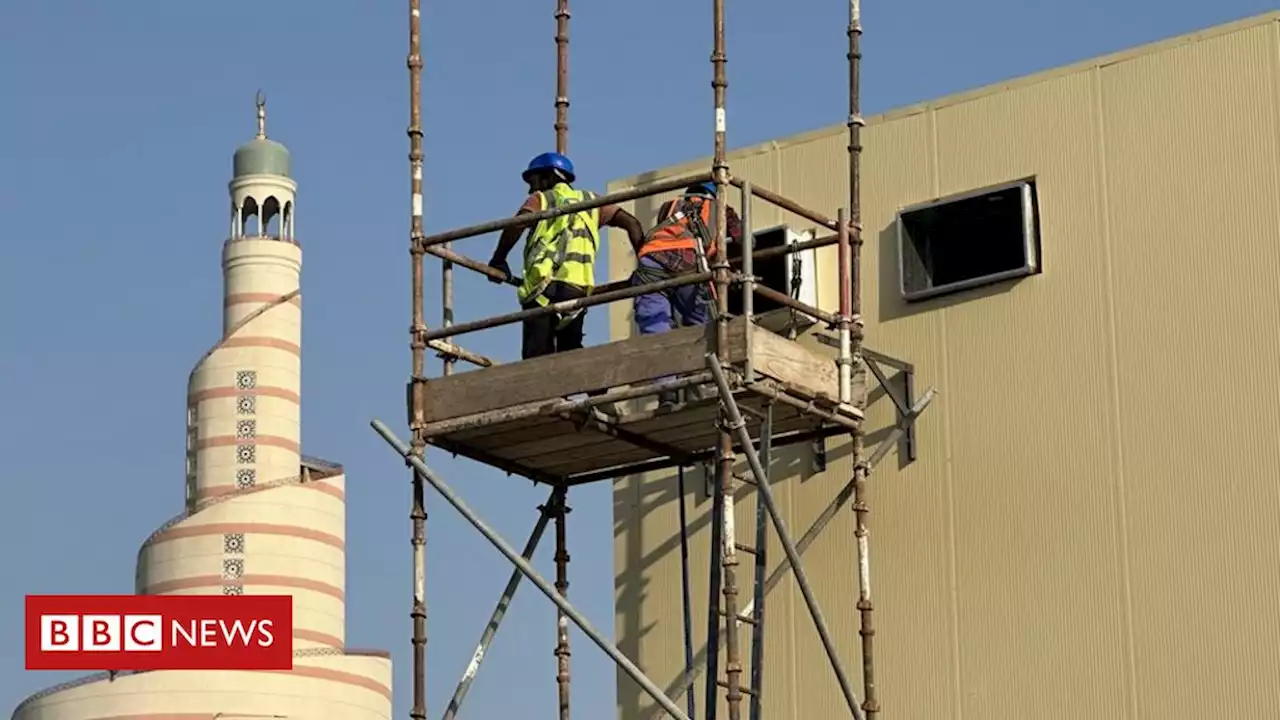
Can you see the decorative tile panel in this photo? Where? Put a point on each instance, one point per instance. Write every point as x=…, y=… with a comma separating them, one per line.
x=246, y=478
x=233, y=543
x=232, y=590
x=246, y=429
x=247, y=404
x=246, y=379
x=233, y=569
x=246, y=454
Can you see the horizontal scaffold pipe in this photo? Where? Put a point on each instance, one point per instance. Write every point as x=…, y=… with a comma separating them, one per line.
x=787, y=204
x=525, y=219
x=566, y=306
x=785, y=299
x=492, y=272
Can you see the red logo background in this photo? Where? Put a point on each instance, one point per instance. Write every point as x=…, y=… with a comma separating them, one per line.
x=183, y=609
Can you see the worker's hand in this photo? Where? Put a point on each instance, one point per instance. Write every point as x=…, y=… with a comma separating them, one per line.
x=501, y=266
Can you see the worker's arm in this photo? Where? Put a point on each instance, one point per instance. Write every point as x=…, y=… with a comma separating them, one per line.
x=733, y=225
x=733, y=235
x=507, y=241
x=614, y=216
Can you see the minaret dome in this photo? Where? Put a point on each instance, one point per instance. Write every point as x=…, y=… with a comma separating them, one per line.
x=262, y=193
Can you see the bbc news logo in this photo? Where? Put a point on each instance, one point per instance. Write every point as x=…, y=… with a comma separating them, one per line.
x=159, y=632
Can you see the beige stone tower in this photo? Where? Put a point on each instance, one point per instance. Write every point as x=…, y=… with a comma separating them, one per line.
x=260, y=517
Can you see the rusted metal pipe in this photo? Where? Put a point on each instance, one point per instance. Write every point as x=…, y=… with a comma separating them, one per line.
x=686, y=600
x=725, y=488
x=418, y=510
x=446, y=312
x=786, y=203
x=562, y=621
x=567, y=306
x=808, y=408
x=761, y=557
x=765, y=494
x=446, y=492
x=449, y=256
x=820, y=524
x=785, y=299
x=562, y=77
x=448, y=350
x=787, y=249
x=844, y=272
x=861, y=469
x=515, y=280
x=526, y=219
x=561, y=509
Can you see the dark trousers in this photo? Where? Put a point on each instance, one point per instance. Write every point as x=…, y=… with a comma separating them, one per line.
x=543, y=335
x=661, y=311
x=665, y=310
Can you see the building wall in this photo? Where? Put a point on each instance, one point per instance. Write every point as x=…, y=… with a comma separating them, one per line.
x=1081, y=535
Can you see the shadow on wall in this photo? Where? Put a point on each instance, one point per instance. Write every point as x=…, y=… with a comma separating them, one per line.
x=893, y=307
x=637, y=497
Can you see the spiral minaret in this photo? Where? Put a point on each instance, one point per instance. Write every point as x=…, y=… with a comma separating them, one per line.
x=261, y=518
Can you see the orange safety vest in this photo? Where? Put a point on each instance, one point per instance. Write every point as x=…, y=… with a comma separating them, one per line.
x=675, y=230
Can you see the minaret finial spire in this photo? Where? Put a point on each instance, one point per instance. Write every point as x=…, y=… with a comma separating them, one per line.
x=261, y=101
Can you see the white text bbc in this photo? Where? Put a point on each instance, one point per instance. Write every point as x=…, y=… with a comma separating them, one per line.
x=143, y=633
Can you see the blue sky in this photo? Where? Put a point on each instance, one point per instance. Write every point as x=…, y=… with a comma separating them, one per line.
x=115, y=147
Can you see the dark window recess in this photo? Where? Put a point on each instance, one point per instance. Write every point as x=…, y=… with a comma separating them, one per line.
x=775, y=273
x=972, y=240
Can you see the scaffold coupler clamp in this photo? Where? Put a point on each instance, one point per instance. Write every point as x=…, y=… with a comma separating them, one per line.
x=416, y=402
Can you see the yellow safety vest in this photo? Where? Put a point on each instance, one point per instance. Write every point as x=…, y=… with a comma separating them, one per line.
x=563, y=249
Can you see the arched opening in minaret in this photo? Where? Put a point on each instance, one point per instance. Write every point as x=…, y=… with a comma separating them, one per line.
x=249, y=226
x=271, y=217
x=288, y=221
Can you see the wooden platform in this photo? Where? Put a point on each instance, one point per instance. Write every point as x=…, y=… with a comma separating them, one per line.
x=516, y=417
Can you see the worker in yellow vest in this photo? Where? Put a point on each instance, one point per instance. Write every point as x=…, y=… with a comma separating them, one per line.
x=559, y=255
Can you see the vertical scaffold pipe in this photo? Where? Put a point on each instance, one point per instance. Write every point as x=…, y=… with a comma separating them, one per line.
x=725, y=486
x=686, y=602
x=562, y=621
x=562, y=550
x=562, y=76
x=418, y=512
x=861, y=469
x=844, y=267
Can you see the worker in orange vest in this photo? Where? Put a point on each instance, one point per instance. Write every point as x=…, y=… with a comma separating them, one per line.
x=670, y=250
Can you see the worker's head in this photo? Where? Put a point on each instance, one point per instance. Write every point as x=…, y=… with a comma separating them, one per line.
x=703, y=189
x=548, y=169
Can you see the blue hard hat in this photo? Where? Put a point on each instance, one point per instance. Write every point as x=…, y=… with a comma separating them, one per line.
x=550, y=161
x=706, y=188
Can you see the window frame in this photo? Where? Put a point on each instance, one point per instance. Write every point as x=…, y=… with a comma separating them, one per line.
x=1030, y=240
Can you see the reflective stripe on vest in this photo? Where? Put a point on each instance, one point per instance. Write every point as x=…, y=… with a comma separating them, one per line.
x=562, y=249
x=675, y=231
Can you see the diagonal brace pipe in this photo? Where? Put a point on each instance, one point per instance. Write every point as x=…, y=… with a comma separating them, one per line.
x=528, y=571
x=827, y=515
x=508, y=594
x=738, y=426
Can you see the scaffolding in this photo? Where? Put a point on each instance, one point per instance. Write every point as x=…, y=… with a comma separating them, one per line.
x=546, y=419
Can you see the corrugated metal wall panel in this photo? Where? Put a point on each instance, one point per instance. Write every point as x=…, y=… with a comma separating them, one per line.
x=1191, y=147
x=1045, y=557
x=1035, y=559
x=912, y=588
